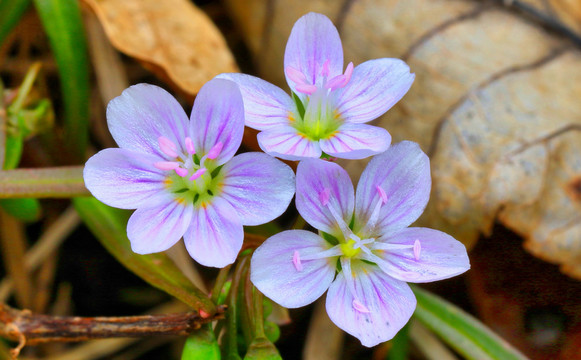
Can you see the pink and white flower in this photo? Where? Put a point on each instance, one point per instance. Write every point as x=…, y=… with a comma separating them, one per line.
x=365, y=252
x=182, y=176
x=328, y=106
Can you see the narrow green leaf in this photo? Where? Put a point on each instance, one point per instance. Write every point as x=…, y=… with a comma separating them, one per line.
x=109, y=226
x=460, y=330
x=54, y=182
x=63, y=24
x=10, y=13
x=201, y=344
x=400, y=345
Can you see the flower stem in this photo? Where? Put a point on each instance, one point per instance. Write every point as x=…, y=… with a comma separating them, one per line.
x=219, y=284
x=55, y=182
x=28, y=328
x=258, y=314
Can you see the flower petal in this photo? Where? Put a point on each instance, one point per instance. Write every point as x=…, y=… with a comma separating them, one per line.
x=266, y=106
x=275, y=274
x=313, y=41
x=390, y=304
x=375, y=86
x=143, y=113
x=215, y=235
x=356, y=141
x=123, y=178
x=286, y=143
x=158, y=226
x=403, y=173
x=324, y=187
x=218, y=117
x=258, y=186
x=436, y=255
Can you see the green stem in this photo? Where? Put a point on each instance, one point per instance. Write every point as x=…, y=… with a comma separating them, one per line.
x=258, y=314
x=232, y=333
x=219, y=284
x=55, y=182
x=25, y=87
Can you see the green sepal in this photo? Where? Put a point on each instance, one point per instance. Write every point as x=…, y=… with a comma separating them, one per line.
x=201, y=344
x=262, y=349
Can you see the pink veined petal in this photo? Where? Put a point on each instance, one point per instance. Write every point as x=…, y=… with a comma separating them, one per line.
x=277, y=271
x=258, y=186
x=143, y=113
x=356, y=141
x=432, y=255
x=218, y=116
x=375, y=86
x=387, y=303
x=158, y=226
x=286, y=143
x=403, y=173
x=123, y=178
x=314, y=42
x=215, y=235
x=320, y=185
x=266, y=106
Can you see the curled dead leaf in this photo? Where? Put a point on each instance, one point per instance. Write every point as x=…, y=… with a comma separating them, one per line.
x=172, y=35
x=495, y=104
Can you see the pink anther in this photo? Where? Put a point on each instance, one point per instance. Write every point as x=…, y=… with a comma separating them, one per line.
x=167, y=146
x=306, y=89
x=215, y=150
x=198, y=173
x=295, y=75
x=357, y=305
x=297, y=261
x=348, y=73
x=166, y=165
x=190, y=146
x=382, y=194
x=324, y=196
x=417, y=249
x=335, y=82
x=181, y=171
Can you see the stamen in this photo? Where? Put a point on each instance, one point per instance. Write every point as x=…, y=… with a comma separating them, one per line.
x=391, y=269
x=190, y=146
x=297, y=261
x=357, y=305
x=324, y=196
x=339, y=220
x=335, y=82
x=382, y=194
x=295, y=75
x=306, y=88
x=325, y=71
x=166, y=165
x=215, y=150
x=198, y=173
x=167, y=147
x=332, y=252
x=348, y=73
x=181, y=171
x=417, y=249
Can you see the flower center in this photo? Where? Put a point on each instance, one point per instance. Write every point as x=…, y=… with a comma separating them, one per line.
x=190, y=178
x=349, y=249
x=316, y=116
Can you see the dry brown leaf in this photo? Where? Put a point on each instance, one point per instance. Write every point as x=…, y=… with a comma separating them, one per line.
x=565, y=12
x=495, y=104
x=172, y=35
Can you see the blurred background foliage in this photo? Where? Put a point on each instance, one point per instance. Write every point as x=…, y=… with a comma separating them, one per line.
x=495, y=104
